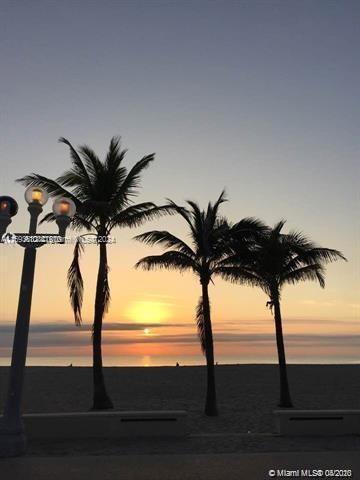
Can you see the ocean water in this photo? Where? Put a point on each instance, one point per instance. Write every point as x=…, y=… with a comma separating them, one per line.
x=157, y=361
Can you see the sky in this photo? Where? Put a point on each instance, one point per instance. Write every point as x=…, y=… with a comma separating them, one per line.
x=261, y=98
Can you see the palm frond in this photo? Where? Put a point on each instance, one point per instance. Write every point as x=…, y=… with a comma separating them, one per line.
x=169, y=260
x=182, y=211
x=52, y=187
x=209, y=240
x=298, y=241
x=78, y=164
x=200, y=323
x=198, y=223
x=326, y=255
x=222, y=198
x=131, y=183
x=76, y=283
x=249, y=227
x=136, y=215
x=71, y=179
x=278, y=258
x=212, y=210
x=315, y=272
x=167, y=240
x=276, y=230
x=114, y=156
x=115, y=173
x=49, y=217
x=80, y=222
x=93, y=164
x=106, y=286
x=238, y=274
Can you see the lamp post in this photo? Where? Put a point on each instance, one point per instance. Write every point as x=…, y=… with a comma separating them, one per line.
x=8, y=208
x=12, y=433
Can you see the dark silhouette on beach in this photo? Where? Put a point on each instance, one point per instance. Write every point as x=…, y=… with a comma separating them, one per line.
x=276, y=259
x=209, y=233
x=103, y=192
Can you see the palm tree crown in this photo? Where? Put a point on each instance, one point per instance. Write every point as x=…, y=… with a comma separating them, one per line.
x=210, y=241
x=277, y=259
x=209, y=247
x=103, y=192
x=202, y=255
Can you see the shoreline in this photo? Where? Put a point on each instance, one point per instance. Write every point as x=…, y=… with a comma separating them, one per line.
x=183, y=365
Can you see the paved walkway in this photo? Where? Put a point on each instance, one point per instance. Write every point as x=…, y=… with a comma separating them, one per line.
x=176, y=467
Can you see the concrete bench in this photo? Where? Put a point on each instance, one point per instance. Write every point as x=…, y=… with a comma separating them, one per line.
x=106, y=424
x=318, y=422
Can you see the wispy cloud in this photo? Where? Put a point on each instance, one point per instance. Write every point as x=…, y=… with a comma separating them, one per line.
x=56, y=327
x=260, y=322
x=66, y=335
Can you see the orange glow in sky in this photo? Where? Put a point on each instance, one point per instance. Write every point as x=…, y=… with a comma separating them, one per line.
x=148, y=312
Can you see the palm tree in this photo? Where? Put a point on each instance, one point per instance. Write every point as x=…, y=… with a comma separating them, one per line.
x=103, y=192
x=277, y=259
x=205, y=257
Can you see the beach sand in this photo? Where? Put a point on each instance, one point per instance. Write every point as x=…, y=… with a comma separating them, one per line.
x=247, y=395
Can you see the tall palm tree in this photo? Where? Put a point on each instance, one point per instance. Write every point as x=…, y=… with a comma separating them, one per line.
x=204, y=256
x=103, y=192
x=277, y=259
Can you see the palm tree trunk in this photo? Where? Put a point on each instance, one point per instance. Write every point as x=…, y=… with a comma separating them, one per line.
x=210, y=405
x=285, y=399
x=101, y=400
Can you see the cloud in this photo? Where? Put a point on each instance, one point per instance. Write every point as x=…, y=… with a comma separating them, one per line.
x=260, y=322
x=66, y=335
x=55, y=327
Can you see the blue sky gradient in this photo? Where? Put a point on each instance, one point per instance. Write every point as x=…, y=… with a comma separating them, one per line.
x=259, y=97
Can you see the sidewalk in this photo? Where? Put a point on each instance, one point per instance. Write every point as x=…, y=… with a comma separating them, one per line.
x=176, y=467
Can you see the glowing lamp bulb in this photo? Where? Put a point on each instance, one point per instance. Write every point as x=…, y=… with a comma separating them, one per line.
x=64, y=207
x=4, y=206
x=36, y=195
x=8, y=206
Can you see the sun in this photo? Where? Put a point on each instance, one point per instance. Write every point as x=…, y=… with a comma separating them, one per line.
x=147, y=331
x=148, y=312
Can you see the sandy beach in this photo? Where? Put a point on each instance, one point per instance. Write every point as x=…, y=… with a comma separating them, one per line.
x=247, y=395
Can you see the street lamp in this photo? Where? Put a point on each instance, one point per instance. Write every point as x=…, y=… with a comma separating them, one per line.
x=8, y=208
x=64, y=209
x=12, y=434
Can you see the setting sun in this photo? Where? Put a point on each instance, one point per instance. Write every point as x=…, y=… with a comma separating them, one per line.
x=148, y=312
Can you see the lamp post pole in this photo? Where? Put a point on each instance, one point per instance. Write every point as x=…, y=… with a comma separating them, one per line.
x=12, y=432
x=12, y=426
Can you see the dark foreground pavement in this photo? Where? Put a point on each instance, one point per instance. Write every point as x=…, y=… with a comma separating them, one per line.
x=257, y=466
